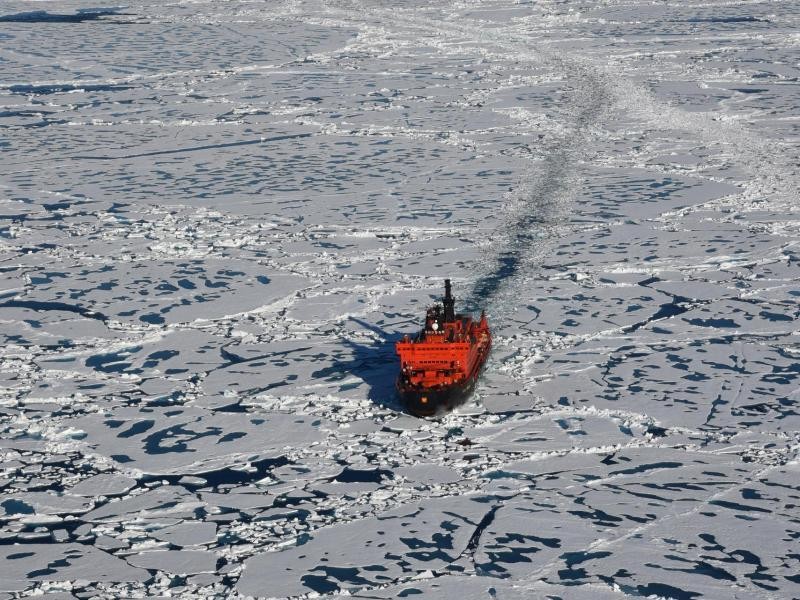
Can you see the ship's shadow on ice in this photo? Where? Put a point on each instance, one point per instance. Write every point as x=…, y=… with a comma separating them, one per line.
x=375, y=364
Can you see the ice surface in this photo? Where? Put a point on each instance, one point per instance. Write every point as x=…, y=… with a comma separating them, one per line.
x=28, y=563
x=104, y=484
x=178, y=562
x=416, y=537
x=216, y=219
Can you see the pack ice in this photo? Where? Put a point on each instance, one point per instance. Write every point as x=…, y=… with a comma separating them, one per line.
x=217, y=217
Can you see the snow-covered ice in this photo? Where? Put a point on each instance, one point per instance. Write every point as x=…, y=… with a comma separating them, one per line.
x=217, y=217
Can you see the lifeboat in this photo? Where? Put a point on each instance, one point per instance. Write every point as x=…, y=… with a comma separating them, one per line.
x=441, y=364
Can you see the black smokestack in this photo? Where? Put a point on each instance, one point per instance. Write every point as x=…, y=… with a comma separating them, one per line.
x=449, y=303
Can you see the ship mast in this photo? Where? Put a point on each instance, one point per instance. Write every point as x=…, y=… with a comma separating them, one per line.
x=449, y=303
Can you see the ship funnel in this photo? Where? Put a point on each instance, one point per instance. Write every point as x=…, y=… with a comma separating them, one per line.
x=449, y=303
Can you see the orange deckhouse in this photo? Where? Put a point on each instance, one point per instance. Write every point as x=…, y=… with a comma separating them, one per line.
x=439, y=367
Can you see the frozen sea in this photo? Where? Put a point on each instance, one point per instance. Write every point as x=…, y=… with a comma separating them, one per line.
x=216, y=217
